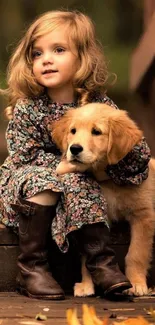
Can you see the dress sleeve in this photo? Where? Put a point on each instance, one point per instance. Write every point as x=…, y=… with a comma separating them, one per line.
x=24, y=138
x=133, y=168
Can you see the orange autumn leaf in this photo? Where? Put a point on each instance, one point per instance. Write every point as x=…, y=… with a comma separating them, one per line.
x=72, y=319
x=133, y=321
x=90, y=317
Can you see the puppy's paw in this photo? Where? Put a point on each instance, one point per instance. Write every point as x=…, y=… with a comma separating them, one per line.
x=84, y=289
x=138, y=289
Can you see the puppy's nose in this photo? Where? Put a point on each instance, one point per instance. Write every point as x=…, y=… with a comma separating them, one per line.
x=76, y=149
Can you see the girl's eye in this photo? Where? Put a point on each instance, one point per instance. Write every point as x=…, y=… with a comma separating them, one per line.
x=59, y=50
x=73, y=130
x=36, y=54
x=95, y=131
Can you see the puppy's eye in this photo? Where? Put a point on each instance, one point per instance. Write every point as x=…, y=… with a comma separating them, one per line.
x=73, y=131
x=96, y=131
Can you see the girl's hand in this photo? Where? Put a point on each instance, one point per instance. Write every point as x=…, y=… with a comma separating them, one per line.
x=70, y=167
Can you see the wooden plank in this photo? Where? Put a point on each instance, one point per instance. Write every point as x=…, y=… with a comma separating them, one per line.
x=8, y=267
x=27, y=321
x=7, y=236
x=20, y=309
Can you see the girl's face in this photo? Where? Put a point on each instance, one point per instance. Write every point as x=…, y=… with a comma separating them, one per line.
x=55, y=61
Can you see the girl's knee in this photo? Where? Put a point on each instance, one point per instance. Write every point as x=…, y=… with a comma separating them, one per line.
x=46, y=197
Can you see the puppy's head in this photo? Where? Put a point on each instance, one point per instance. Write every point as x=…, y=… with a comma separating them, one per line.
x=95, y=133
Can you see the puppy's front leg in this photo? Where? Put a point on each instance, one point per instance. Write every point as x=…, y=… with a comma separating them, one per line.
x=86, y=287
x=140, y=251
x=70, y=167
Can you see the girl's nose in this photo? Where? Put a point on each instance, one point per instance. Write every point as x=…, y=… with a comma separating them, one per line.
x=47, y=58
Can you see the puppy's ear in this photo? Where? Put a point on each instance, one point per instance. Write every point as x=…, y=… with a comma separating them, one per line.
x=123, y=135
x=59, y=131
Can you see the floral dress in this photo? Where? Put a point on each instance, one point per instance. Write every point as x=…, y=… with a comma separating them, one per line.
x=32, y=161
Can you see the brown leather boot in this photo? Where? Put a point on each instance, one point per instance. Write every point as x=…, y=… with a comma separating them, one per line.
x=35, y=279
x=94, y=243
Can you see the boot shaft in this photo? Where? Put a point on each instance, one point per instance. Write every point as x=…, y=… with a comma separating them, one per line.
x=35, y=278
x=34, y=227
x=94, y=243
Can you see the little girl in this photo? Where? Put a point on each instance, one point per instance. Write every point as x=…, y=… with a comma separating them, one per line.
x=58, y=65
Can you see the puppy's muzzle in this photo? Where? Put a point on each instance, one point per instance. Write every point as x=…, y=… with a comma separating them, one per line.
x=76, y=149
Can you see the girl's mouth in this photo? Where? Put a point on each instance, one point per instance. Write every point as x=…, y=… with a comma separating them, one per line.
x=49, y=71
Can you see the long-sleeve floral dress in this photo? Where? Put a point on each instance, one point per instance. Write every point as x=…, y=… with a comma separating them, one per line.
x=32, y=161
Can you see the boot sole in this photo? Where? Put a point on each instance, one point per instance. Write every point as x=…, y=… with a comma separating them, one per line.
x=24, y=292
x=117, y=288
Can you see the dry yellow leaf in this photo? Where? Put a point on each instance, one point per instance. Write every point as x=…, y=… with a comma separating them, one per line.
x=151, y=312
x=133, y=321
x=72, y=319
x=96, y=320
x=92, y=314
x=87, y=317
x=41, y=316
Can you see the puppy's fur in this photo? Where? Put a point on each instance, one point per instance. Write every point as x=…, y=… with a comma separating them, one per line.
x=90, y=138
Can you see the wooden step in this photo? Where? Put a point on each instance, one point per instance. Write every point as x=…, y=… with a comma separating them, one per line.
x=66, y=267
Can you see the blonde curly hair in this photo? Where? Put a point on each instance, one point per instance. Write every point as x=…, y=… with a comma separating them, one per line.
x=90, y=77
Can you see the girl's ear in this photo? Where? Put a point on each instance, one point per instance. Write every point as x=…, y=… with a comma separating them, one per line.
x=124, y=134
x=59, y=131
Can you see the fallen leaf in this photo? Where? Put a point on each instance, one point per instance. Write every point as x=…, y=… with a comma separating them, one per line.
x=41, y=316
x=72, y=319
x=133, y=321
x=150, y=312
x=96, y=320
x=46, y=309
x=87, y=317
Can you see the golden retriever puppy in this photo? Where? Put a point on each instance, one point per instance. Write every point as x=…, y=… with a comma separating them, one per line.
x=90, y=138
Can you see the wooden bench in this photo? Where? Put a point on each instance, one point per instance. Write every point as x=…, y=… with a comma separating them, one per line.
x=66, y=267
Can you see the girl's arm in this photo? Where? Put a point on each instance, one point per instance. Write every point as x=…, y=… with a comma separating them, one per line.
x=25, y=140
x=133, y=168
